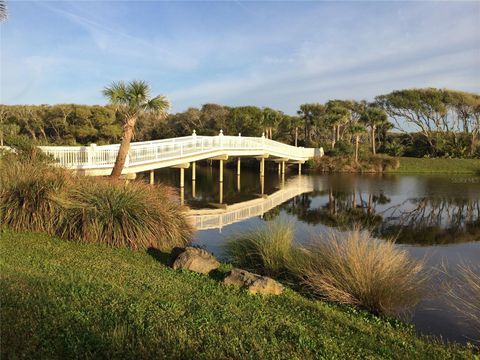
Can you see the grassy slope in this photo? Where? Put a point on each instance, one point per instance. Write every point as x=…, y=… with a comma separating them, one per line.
x=438, y=165
x=64, y=300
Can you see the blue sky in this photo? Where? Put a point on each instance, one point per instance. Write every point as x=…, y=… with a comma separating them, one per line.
x=276, y=54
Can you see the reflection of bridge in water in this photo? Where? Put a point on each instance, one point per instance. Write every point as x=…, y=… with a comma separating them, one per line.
x=204, y=219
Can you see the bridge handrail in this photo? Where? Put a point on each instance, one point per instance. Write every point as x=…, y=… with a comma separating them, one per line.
x=94, y=156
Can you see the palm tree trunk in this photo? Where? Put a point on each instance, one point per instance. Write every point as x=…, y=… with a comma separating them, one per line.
x=356, y=148
x=124, y=148
x=333, y=137
x=373, y=140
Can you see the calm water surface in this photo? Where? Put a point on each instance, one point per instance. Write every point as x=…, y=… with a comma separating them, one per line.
x=436, y=217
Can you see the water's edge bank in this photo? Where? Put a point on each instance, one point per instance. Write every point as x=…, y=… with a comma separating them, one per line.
x=116, y=302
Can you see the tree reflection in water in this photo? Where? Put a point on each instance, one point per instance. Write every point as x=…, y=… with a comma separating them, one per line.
x=421, y=221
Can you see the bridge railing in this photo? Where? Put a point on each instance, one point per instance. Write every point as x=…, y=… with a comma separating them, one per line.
x=93, y=156
x=210, y=219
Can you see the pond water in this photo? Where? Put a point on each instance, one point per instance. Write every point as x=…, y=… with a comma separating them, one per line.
x=433, y=217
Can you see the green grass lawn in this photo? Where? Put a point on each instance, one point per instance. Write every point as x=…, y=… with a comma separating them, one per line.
x=438, y=165
x=65, y=300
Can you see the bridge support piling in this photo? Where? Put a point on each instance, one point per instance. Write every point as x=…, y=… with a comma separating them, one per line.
x=299, y=168
x=262, y=167
x=221, y=170
x=194, y=171
x=238, y=182
x=283, y=167
x=182, y=178
x=152, y=177
x=262, y=184
x=238, y=166
x=279, y=168
x=194, y=188
x=220, y=191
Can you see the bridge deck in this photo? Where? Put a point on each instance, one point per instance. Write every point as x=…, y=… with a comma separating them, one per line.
x=150, y=155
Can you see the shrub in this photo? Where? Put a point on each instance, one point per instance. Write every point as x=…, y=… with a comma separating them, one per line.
x=368, y=164
x=265, y=250
x=379, y=163
x=355, y=268
x=342, y=148
x=134, y=215
x=30, y=194
x=36, y=196
x=393, y=148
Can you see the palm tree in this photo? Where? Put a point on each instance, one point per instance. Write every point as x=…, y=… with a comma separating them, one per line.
x=356, y=130
x=374, y=117
x=131, y=100
x=3, y=10
x=336, y=116
x=270, y=118
x=296, y=122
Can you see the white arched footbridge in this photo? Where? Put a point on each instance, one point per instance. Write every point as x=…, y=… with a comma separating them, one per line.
x=176, y=152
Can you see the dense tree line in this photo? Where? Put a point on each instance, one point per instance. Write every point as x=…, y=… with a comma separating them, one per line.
x=413, y=122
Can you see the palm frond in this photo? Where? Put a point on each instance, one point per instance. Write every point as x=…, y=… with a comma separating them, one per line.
x=158, y=104
x=117, y=93
x=135, y=97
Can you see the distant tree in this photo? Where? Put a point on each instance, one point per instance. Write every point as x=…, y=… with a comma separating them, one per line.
x=336, y=116
x=356, y=130
x=310, y=113
x=246, y=120
x=271, y=118
x=422, y=108
x=132, y=99
x=374, y=117
x=213, y=118
x=295, y=122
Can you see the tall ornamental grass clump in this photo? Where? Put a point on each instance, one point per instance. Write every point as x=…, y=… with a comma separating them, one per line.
x=358, y=269
x=462, y=289
x=135, y=215
x=351, y=267
x=30, y=193
x=266, y=250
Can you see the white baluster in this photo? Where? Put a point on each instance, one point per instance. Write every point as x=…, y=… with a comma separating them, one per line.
x=91, y=154
x=220, y=138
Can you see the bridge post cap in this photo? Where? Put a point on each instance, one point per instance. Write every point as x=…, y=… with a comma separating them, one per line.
x=263, y=134
x=93, y=144
x=221, y=132
x=194, y=133
x=239, y=134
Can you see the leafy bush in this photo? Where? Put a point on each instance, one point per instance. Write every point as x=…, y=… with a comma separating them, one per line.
x=342, y=148
x=265, y=250
x=30, y=194
x=358, y=269
x=393, y=148
x=372, y=163
x=379, y=163
x=134, y=215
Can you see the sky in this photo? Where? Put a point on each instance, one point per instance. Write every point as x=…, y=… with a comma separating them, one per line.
x=275, y=54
